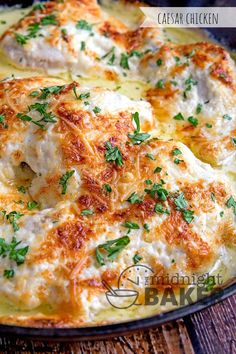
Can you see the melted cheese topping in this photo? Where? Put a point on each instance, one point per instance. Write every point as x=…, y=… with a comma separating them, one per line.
x=61, y=267
x=60, y=281
x=196, y=99
x=81, y=39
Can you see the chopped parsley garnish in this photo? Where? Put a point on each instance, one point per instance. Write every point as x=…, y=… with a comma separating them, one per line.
x=137, y=53
x=178, y=161
x=82, y=45
x=131, y=225
x=34, y=28
x=160, y=84
x=180, y=202
x=189, y=83
x=157, y=169
x=84, y=25
x=221, y=214
x=124, y=61
x=150, y=156
x=84, y=95
x=8, y=273
x=111, y=249
x=21, y=189
x=21, y=39
x=188, y=215
x=227, y=117
x=213, y=197
x=177, y=60
x=137, y=258
x=34, y=93
x=15, y=254
x=146, y=227
x=47, y=91
x=234, y=141
x=208, y=125
x=113, y=154
x=209, y=283
x=41, y=108
x=64, y=33
x=181, y=205
x=199, y=108
x=12, y=218
x=107, y=188
x=159, y=62
x=96, y=110
x=134, y=198
x=231, y=203
x=176, y=152
x=148, y=182
x=160, y=209
x=110, y=54
x=32, y=205
x=64, y=180
x=38, y=6
x=157, y=190
x=173, y=82
x=49, y=20
x=137, y=138
x=193, y=121
x=87, y=212
x=179, y=116
x=2, y=121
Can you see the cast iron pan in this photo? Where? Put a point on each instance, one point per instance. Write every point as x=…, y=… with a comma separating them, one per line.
x=228, y=37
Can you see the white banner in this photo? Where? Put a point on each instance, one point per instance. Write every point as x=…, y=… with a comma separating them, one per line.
x=189, y=16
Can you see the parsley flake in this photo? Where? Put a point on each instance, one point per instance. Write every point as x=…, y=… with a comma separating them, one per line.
x=2, y=121
x=87, y=212
x=134, y=198
x=150, y=156
x=131, y=225
x=8, y=273
x=96, y=110
x=193, y=121
x=84, y=25
x=227, y=117
x=64, y=180
x=146, y=227
x=107, y=188
x=111, y=249
x=137, y=138
x=179, y=116
x=231, y=203
x=113, y=154
x=137, y=258
x=199, y=108
x=157, y=169
x=176, y=152
x=32, y=205
x=160, y=84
